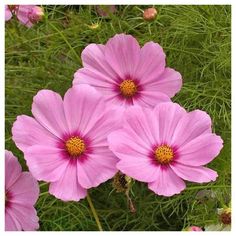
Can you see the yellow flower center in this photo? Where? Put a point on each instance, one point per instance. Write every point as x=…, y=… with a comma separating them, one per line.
x=128, y=88
x=75, y=146
x=164, y=154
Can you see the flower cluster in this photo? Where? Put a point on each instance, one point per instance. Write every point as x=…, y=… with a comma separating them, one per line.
x=26, y=14
x=118, y=116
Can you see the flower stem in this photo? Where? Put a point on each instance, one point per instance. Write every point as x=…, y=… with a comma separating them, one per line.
x=94, y=212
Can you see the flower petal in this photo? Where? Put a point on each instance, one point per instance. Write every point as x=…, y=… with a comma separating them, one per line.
x=167, y=182
x=24, y=217
x=8, y=14
x=48, y=110
x=169, y=83
x=167, y=116
x=151, y=64
x=46, y=163
x=96, y=168
x=127, y=145
x=93, y=57
x=200, y=150
x=139, y=124
x=22, y=14
x=67, y=187
x=197, y=174
x=12, y=169
x=192, y=125
x=25, y=190
x=83, y=106
x=11, y=224
x=123, y=53
x=148, y=98
x=28, y=132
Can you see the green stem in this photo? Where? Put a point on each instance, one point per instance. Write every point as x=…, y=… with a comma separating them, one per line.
x=94, y=212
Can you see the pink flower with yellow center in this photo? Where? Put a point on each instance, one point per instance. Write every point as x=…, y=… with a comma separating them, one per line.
x=21, y=193
x=165, y=146
x=66, y=141
x=127, y=74
x=26, y=14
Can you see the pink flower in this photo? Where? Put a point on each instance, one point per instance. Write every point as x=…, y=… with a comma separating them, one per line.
x=26, y=14
x=127, y=74
x=194, y=228
x=21, y=192
x=165, y=146
x=66, y=141
x=8, y=13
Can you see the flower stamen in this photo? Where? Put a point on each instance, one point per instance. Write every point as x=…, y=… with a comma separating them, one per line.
x=75, y=146
x=164, y=154
x=128, y=88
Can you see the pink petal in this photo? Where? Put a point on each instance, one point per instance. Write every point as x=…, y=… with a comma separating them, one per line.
x=46, y=163
x=96, y=168
x=192, y=125
x=96, y=79
x=12, y=169
x=93, y=57
x=48, y=110
x=83, y=106
x=123, y=53
x=11, y=223
x=200, y=150
x=169, y=83
x=167, y=115
x=8, y=14
x=24, y=216
x=67, y=187
x=148, y=98
x=135, y=159
x=151, y=64
x=23, y=15
x=197, y=174
x=126, y=145
x=138, y=123
x=167, y=183
x=25, y=190
x=142, y=169
x=107, y=123
x=28, y=132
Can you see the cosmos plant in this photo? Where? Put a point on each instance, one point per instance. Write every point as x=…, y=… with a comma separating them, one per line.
x=27, y=15
x=118, y=116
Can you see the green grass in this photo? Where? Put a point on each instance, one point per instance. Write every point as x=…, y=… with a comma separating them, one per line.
x=197, y=41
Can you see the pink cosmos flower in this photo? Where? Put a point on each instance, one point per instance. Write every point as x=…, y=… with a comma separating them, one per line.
x=127, y=74
x=26, y=14
x=194, y=228
x=21, y=192
x=66, y=141
x=164, y=146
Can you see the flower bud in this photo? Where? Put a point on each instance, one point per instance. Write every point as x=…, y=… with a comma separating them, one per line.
x=150, y=14
x=36, y=14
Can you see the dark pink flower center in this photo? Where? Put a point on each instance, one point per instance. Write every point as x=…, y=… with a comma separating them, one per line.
x=75, y=146
x=164, y=154
x=128, y=88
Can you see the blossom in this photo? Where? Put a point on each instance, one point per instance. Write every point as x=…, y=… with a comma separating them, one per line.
x=26, y=14
x=193, y=228
x=150, y=14
x=127, y=74
x=21, y=193
x=66, y=141
x=164, y=146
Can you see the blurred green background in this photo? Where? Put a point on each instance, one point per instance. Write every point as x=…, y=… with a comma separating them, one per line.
x=197, y=42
